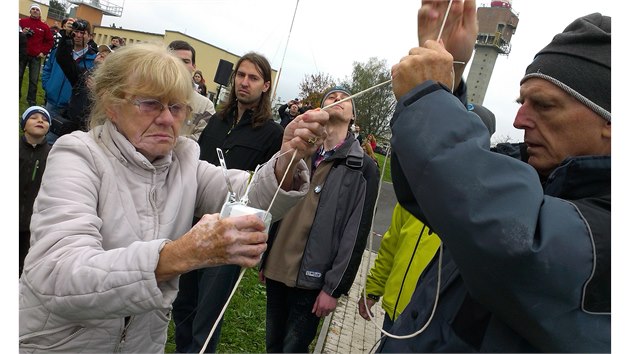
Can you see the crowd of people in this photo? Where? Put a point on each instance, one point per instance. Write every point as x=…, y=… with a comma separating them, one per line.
x=126, y=167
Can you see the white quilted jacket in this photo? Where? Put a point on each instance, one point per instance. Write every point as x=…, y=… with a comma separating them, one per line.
x=100, y=219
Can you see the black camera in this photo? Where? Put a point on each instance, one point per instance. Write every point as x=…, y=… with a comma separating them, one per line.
x=79, y=25
x=28, y=32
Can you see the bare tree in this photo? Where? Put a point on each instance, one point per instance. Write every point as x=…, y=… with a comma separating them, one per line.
x=500, y=139
x=313, y=86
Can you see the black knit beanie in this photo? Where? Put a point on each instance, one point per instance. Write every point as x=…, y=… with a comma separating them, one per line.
x=578, y=61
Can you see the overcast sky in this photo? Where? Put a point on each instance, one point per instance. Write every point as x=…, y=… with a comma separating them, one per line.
x=329, y=35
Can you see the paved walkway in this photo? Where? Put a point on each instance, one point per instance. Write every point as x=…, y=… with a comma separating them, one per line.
x=345, y=331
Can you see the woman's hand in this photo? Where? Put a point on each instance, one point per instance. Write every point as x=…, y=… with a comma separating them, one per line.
x=213, y=241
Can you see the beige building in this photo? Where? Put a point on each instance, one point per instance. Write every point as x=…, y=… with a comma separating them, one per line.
x=207, y=56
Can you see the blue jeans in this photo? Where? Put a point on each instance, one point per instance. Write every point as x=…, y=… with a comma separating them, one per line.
x=34, y=64
x=202, y=295
x=291, y=326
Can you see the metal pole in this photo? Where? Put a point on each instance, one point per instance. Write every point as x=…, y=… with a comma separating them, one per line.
x=275, y=86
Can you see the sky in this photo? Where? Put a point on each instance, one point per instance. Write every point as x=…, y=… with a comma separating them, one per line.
x=329, y=35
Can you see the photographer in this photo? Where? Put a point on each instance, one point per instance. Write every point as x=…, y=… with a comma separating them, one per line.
x=63, y=73
x=287, y=116
x=39, y=41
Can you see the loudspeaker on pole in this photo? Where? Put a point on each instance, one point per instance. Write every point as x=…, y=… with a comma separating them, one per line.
x=224, y=70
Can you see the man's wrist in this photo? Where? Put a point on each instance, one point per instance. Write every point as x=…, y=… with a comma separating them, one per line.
x=373, y=297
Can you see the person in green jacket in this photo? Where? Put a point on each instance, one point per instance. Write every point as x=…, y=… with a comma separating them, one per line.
x=406, y=249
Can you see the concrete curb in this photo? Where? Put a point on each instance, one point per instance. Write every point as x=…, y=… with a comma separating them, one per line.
x=323, y=333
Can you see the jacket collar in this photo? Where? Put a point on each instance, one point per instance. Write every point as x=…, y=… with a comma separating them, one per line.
x=125, y=152
x=580, y=177
x=23, y=139
x=350, y=147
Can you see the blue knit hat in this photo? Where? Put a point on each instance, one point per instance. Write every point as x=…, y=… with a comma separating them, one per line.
x=344, y=90
x=35, y=109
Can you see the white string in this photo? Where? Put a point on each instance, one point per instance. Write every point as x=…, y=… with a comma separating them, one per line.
x=282, y=181
x=275, y=87
x=390, y=80
x=439, y=278
x=448, y=10
x=357, y=94
x=238, y=281
x=214, y=326
x=364, y=278
x=371, y=227
x=437, y=296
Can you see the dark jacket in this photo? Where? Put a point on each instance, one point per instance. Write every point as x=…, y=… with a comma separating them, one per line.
x=526, y=266
x=202, y=89
x=342, y=222
x=22, y=47
x=244, y=147
x=285, y=116
x=32, y=165
x=54, y=81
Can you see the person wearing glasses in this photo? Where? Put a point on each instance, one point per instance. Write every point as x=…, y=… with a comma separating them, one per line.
x=111, y=234
x=55, y=80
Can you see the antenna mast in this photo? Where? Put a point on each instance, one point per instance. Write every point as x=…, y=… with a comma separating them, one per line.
x=273, y=95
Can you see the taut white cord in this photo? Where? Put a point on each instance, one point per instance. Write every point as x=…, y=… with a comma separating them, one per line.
x=357, y=94
x=364, y=278
x=448, y=9
x=281, y=182
x=390, y=80
x=240, y=276
x=437, y=297
x=439, y=278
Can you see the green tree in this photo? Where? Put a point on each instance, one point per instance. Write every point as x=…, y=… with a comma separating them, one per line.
x=376, y=107
x=58, y=10
x=313, y=86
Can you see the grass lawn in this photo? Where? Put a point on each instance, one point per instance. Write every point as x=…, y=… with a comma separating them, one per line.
x=243, y=329
x=23, y=105
x=388, y=174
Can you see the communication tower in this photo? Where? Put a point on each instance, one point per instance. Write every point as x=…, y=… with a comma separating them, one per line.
x=91, y=10
x=497, y=24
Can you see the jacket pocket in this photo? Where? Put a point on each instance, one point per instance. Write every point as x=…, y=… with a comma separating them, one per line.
x=158, y=322
x=52, y=338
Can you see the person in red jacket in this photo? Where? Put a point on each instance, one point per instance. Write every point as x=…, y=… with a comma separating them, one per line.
x=38, y=44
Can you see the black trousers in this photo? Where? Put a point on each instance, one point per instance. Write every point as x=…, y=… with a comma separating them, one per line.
x=202, y=295
x=34, y=65
x=291, y=325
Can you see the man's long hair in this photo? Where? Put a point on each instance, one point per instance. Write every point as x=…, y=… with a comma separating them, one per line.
x=262, y=113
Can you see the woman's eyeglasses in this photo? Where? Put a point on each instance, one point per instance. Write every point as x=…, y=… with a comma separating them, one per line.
x=153, y=107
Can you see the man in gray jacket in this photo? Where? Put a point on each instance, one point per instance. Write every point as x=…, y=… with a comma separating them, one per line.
x=314, y=254
x=525, y=265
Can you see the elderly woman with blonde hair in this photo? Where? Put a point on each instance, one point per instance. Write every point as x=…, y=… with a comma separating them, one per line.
x=111, y=224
